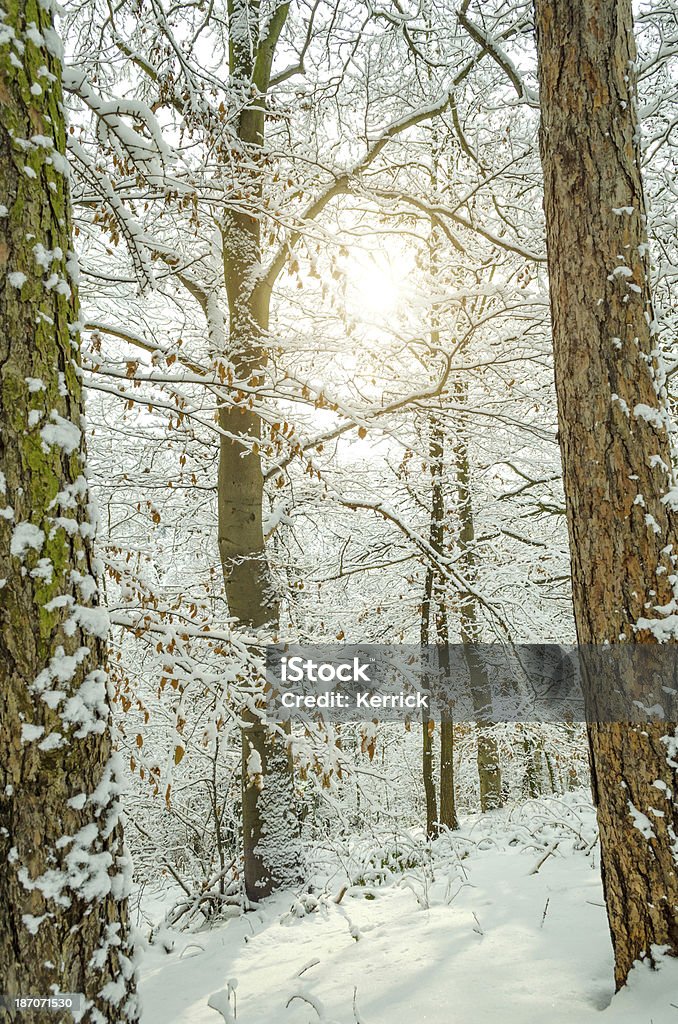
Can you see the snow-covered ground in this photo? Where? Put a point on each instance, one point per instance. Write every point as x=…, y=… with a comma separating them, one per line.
x=468, y=933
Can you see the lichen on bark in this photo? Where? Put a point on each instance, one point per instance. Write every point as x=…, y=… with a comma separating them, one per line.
x=64, y=925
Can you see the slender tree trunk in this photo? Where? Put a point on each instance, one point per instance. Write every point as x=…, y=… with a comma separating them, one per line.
x=438, y=596
x=448, y=809
x=427, y=725
x=448, y=802
x=270, y=825
x=489, y=771
x=427, y=733
x=448, y=805
x=487, y=760
x=534, y=769
x=614, y=442
x=64, y=878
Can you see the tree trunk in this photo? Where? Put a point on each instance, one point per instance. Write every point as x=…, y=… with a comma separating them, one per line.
x=489, y=776
x=534, y=769
x=448, y=808
x=614, y=442
x=427, y=725
x=436, y=596
x=270, y=825
x=489, y=771
x=64, y=880
x=448, y=802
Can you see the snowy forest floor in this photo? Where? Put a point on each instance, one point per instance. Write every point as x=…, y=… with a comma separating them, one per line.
x=463, y=931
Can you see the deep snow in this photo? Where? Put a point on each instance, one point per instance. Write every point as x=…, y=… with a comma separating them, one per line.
x=468, y=935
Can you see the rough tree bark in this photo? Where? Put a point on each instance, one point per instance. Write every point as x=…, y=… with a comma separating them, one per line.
x=63, y=884
x=613, y=437
x=270, y=827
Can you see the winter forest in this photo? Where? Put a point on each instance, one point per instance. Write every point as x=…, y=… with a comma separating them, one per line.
x=330, y=325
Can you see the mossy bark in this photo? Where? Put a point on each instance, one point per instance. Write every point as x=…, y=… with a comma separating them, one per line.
x=64, y=921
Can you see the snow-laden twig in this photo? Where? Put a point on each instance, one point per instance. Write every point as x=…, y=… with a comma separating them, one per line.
x=549, y=853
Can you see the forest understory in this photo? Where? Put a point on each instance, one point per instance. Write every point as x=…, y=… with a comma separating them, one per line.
x=503, y=918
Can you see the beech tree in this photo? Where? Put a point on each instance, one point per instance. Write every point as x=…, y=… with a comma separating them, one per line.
x=261, y=209
x=65, y=872
x=175, y=383
x=614, y=439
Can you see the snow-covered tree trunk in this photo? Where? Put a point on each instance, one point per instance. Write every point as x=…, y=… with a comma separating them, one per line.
x=613, y=436
x=270, y=828
x=63, y=885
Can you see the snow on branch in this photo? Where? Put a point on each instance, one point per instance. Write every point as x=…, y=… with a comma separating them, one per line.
x=499, y=55
x=112, y=127
x=129, y=227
